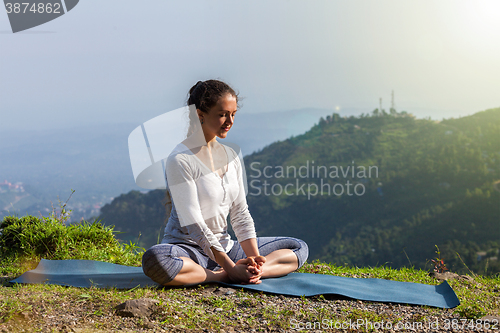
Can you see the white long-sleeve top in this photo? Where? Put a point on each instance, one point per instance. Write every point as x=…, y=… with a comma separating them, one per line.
x=202, y=200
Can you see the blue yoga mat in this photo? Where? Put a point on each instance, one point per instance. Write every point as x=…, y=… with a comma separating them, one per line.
x=87, y=273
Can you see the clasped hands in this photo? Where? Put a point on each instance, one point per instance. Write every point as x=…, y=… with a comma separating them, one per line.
x=248, y=270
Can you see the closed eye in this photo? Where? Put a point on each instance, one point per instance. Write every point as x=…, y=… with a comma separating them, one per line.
x=225, y=115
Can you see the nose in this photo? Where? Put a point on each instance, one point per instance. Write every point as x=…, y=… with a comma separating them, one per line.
x=230, y=120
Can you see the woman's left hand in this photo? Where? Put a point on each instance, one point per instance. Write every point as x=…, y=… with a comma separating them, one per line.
x=255, y=266
x=257, y=262
x=242, y=272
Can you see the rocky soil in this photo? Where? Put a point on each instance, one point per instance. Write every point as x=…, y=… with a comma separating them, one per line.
x=230, y=310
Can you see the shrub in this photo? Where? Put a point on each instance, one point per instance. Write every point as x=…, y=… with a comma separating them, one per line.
x=29, y=238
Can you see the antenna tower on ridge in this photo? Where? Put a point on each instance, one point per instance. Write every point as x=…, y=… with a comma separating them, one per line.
x=393, y=106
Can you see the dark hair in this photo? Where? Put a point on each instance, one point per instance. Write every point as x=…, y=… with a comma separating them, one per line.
x=205, y=95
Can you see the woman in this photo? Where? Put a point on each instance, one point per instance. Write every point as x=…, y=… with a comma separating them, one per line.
x=205, y=181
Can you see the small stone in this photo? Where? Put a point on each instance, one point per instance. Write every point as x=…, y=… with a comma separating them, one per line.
x=142, y=307
x=26, y=315
x=443, y=276
x=223, y=291
x=490, y=319
x=218, y=309
x=208, y=290
x=467, y=278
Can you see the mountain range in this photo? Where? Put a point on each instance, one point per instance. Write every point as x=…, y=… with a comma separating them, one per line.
x=382, y=188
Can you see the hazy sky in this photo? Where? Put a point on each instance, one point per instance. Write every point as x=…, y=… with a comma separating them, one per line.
x=129, y=61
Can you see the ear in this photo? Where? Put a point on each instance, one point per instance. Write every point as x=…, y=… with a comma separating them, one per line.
x=200, y=113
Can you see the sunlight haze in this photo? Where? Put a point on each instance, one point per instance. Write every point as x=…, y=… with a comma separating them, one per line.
x=131, y=61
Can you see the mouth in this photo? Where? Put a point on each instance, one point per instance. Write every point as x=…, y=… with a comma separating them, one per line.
x=226, y=128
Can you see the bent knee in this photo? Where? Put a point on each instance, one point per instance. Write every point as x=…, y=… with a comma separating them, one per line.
x=298, y=246
x=301, y=250
x=159, y=264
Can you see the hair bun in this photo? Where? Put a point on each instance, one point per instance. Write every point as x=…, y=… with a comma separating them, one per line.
x=193, y=88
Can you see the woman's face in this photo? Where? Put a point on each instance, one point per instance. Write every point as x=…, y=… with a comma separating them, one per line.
x=219, y=120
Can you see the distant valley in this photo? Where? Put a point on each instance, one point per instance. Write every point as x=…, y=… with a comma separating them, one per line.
x=94, y=160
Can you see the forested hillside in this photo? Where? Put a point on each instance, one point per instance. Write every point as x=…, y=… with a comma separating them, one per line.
x=140, y=217
x=383, y=188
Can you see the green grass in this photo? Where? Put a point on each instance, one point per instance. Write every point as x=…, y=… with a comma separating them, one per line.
x=478, y=296
x=25, y=240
